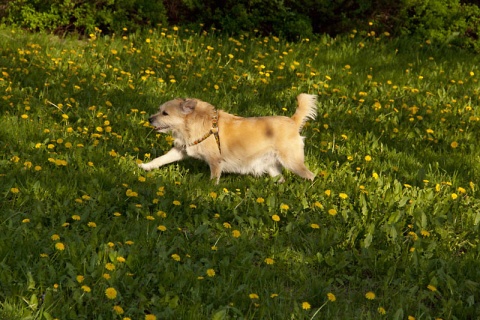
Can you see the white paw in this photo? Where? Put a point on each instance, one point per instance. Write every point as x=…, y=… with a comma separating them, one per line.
x=145, y=166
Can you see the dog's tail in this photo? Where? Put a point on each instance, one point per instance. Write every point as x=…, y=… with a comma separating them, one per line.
x=307, y=109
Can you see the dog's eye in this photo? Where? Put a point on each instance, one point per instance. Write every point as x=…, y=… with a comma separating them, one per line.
x=164, y=113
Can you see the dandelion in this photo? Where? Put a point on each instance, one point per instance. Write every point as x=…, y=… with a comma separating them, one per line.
x=236, y=233
x=331, y=297
x=368, y=158
x=210, y=272
x=370, y=295
x=328, y=193
x=274, y=295
x=454, y=196
x=343, y=196
x=315, y=226
x=425, y=233
x=461, y=190
x=332, y=212
x=213, y=195
x=26, y=221
x=275, y=218
x=175, y=257
x=381, y=310
x=260, y=200
x=110, y=266
x=269, y=261
x=150, y=317
x=226, y=225
x=118, y=310
x=432, y=288
x=80, y=278
x=59, y=246
x=454, y=144
x=253, y=296
x=92, y=224
x=55, y=237
x=161, y=228
x=14, y=190
x=176, y=203
x=284, y=206
x=111, y=293
x=121, y=259
x=317, y=204
x=86, y=288
x=306, y=305
x=131, y=193
x=375, y=175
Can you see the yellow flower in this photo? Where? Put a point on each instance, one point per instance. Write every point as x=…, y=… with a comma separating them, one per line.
x=92, y=224
x=454, y=196
x=253, y=296
x=121, y=259
x=213, y=195
x=176, y=203
x=210, y=272
x=343, y=196
x=306, y=305
x=86, y=288
x=276, y=218
x=110, y=266
x=162, y=228
x=14, y=190
x=454, y=144
x=76, y=217
x=59, y=246
x=150, y=317
x=80, y=278
x=381, y=310
x=175, y=257
x=332, y=212
x=432, y=288
x=260, y=200
x=269, y=261
x=25, y=220
x=331, y=297
x=111, y=293
x=284, y=206
x=55, y=237
x=318, y=205
x=328, y=193
x=118, y=310
x=461, y=190
x=368, y=158
x=315, y=226
x=236, y=233
x=370, y=295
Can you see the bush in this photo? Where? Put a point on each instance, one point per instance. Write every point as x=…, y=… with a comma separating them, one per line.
x=443, y=21
x=83, y=16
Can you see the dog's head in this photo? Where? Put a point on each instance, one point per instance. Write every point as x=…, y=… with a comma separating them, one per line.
x=172, y=114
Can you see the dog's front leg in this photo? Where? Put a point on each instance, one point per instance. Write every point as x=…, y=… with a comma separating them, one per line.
x=215, y=170
x=175, y=154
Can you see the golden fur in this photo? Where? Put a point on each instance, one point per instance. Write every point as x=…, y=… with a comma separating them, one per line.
x=255, y=145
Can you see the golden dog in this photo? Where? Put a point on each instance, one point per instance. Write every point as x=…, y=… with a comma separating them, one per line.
x=229, y=143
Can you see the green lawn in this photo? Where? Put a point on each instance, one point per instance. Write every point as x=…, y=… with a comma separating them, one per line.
x=389, y=229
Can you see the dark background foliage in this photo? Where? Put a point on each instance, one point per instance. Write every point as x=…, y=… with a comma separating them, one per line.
x=445, y=21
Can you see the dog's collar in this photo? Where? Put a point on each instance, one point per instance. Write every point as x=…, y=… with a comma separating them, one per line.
x=213, y=130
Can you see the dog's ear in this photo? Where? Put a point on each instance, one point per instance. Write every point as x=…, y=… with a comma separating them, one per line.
x=188, y=106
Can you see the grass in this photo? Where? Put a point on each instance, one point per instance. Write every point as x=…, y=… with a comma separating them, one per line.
x=388, y=229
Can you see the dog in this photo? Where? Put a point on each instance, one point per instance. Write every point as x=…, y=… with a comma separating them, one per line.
x=230, y=143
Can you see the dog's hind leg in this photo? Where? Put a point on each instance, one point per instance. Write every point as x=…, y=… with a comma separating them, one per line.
x=275, y=171
x=292, y=158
